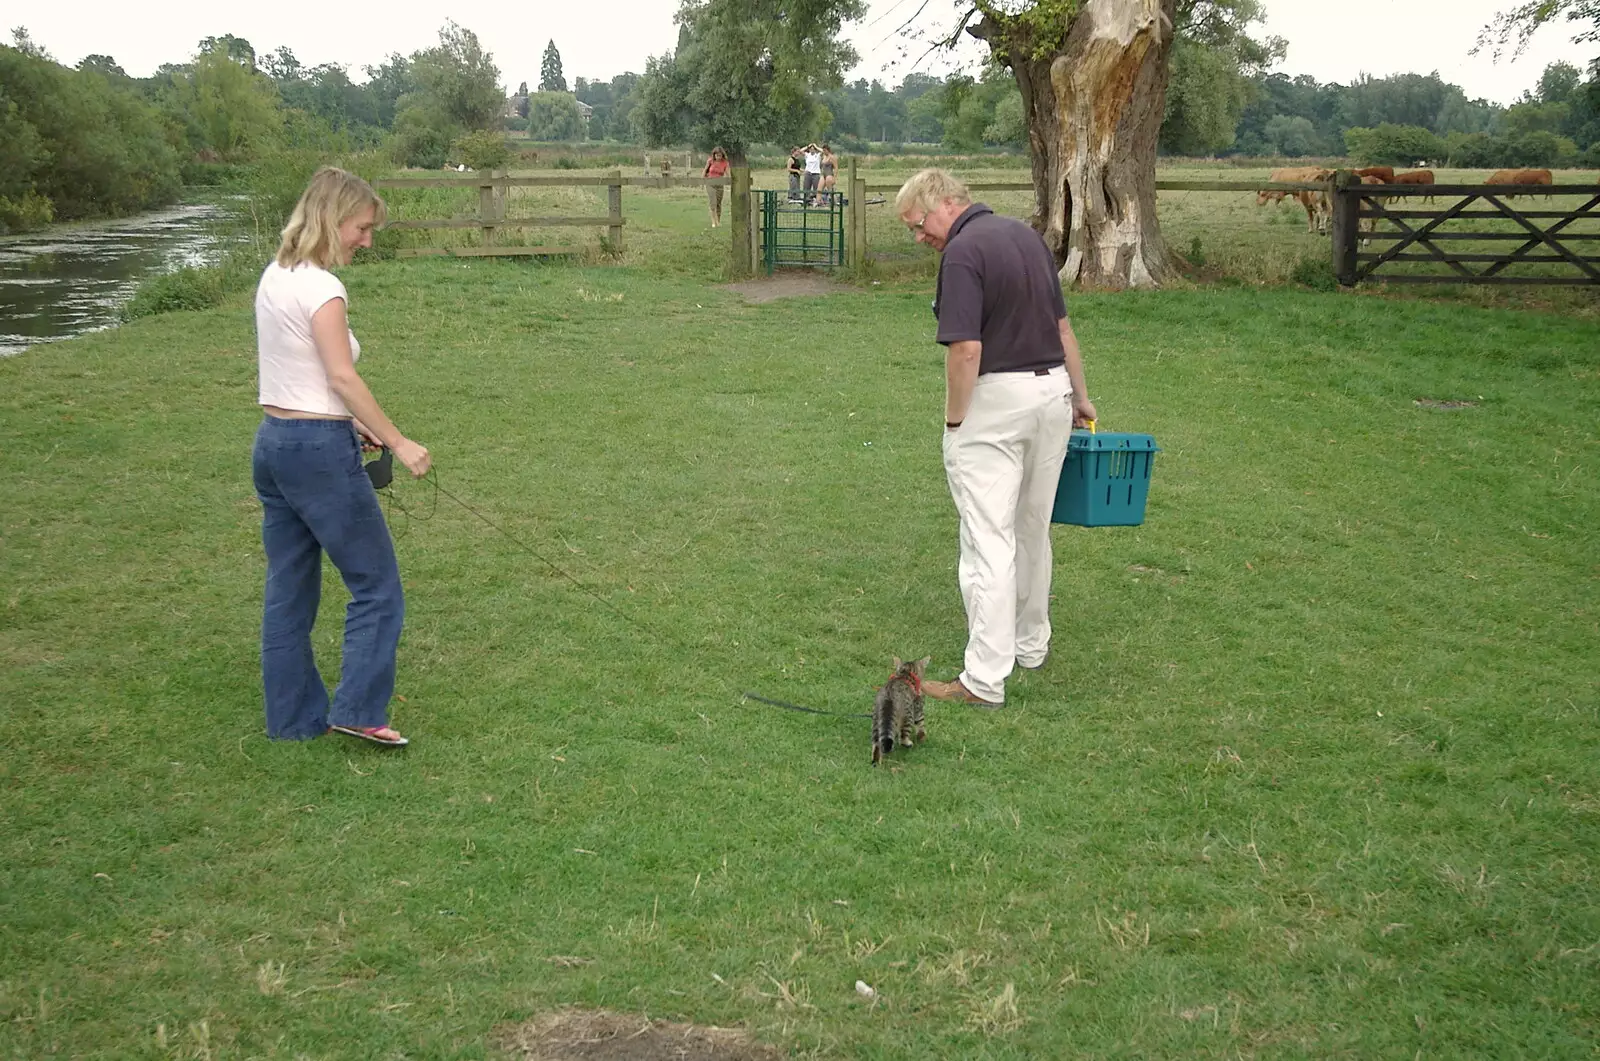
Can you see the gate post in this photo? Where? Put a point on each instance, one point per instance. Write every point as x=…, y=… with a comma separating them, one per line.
x=852, y=234
x=614, y=202
x=1344, y=229
x=858, y=194
x=741, y=264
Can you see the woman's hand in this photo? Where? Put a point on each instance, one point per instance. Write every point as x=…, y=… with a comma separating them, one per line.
x=414, y=456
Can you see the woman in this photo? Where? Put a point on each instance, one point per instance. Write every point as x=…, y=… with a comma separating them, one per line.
x=315, y=494
x=830, y=165
x=716, y=166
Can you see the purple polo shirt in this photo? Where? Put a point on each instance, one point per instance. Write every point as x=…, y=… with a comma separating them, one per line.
x=998, y=285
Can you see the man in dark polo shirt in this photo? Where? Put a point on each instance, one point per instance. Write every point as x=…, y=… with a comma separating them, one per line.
x=1013, y=389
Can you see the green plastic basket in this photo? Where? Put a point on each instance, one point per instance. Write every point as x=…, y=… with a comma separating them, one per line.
x=1105, y=479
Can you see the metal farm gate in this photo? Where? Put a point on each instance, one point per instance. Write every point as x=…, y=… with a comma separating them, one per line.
x=800, y=232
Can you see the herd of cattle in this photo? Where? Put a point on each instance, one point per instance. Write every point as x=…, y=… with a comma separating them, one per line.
x=1319, y=207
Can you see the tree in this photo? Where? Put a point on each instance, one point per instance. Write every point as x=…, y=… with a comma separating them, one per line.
x=1292, y=137
x=1214, y=59
x=1093, y=78
x=227, y=106
x=744, y=72
x=1558, y=82
x=550, y=77
x=238, y=49
x=1522, y=22
x=457, y=90
x=554, y=116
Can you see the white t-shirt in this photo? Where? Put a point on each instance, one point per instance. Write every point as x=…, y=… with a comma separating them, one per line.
x=813, y=161
x=292, y=376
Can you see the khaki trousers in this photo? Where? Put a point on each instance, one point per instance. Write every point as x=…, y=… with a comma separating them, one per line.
x=1003, y=464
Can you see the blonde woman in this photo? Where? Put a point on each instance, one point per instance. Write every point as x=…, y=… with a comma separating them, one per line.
x=315, y=494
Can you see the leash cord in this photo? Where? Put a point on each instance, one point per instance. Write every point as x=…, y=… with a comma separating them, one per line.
x=439, y=488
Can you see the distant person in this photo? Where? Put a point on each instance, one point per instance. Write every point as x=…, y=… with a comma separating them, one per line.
x=716, y=166
x=315, y=494
x=812, y=155
x=1013, y=388
x=830, y=166
x=797, y=168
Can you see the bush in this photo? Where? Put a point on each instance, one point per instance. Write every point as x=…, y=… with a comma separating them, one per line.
x=481, y=149
x=1389, y=144
x=28, y=211
x=188, y=288
x=1314, y=271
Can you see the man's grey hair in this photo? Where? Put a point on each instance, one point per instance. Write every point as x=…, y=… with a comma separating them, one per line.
x=928, y=189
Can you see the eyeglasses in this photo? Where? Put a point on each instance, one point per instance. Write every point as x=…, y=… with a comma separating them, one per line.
x=917, y=226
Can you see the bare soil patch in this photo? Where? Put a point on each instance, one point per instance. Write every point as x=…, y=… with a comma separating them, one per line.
x=599, y=1035
x=787, y=285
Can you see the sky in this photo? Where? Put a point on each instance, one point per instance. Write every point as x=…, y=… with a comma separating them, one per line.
x=601, y=38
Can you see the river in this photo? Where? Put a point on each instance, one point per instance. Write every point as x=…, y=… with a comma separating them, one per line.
x=73, y=278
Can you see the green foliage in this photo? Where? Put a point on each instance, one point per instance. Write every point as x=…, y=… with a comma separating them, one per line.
x=481, y=149
x=75, y=144
x=227, y=107
x=1525, y=19
x=745, y=72
x=553, y=116
x=1010, y=123
x=457, y=90
x=1316, y=272
x=551, y=79
x=613, y=103
x=1291, y=137
x=1398, y=145
x=1206, y=94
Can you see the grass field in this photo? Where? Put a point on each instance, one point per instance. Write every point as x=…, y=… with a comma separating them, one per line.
x=1312, y=772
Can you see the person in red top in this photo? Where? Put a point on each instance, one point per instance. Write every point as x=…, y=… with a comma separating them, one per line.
x=716, y=166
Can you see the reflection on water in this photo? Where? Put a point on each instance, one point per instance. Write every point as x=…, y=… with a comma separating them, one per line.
x=66, y=281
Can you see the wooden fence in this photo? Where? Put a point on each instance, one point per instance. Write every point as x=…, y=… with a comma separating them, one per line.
x=491, y=217
x=1544, y=237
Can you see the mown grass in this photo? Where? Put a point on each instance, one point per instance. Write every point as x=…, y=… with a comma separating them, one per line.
x=1311, y=773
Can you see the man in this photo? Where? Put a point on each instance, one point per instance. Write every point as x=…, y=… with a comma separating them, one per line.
x=1013, y=389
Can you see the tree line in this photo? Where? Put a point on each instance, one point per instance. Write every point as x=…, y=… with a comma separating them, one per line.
x=92, y=141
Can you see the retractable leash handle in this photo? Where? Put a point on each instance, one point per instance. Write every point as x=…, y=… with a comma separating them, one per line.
x=381, y=469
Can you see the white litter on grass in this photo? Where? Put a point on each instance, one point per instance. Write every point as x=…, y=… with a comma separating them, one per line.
x=865, y=990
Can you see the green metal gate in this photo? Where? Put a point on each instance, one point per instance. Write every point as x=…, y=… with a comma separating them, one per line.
x=800, y=232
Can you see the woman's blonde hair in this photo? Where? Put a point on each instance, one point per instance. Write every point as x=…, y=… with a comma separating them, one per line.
x=331, y=199
x=928, y=189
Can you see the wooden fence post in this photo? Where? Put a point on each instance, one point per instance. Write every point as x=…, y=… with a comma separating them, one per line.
x=614, y=202
x=858, y=194
x=852, y=228
x=1344, y=229
x=486, y=211
x=743, y=257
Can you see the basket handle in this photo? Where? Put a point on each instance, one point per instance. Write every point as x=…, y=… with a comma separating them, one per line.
x=1091, y=424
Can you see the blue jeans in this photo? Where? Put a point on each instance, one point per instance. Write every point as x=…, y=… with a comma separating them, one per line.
x=316, y=498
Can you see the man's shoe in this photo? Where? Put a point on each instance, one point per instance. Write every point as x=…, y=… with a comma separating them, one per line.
x=958, y=693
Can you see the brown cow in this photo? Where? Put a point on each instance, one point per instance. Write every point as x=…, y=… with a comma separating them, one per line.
x=1315, y=203
x=1520, y=176
x=1366, y=224
x=1416, y=176
x=1386, y=172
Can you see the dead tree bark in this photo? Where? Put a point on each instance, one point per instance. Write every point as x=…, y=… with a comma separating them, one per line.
x=1094, y=91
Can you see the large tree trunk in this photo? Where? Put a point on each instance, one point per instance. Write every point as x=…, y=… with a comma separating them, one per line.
x=1094, y=106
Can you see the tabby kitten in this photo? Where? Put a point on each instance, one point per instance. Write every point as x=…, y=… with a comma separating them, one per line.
x=897, y=714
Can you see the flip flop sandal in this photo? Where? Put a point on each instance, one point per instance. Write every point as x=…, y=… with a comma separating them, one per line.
x=370, y=733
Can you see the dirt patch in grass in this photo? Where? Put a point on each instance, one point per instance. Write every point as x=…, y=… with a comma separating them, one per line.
x=599, y=1035
x=788, y=285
